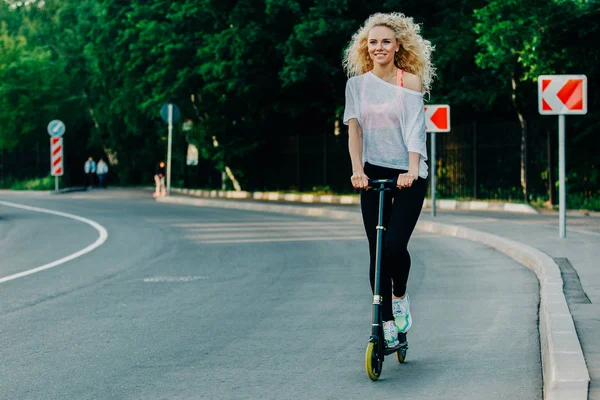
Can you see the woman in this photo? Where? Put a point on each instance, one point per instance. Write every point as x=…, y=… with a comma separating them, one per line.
x=390, y=69
x=159, y=179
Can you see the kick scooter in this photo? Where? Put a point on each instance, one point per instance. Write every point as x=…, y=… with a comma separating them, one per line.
x=376, y=350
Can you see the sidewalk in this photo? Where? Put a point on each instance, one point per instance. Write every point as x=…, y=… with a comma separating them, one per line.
x=580, y=249
x=533, y=240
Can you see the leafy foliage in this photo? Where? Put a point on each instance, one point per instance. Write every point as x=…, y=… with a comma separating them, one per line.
x=251, y=73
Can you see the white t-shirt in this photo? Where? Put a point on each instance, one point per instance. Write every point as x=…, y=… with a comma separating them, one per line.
x=392, y=119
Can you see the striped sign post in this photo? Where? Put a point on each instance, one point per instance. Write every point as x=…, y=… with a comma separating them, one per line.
x=56, y=156
x=56, y=129
x=437, y=119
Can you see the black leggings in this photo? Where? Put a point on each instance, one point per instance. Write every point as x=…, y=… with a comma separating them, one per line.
x=401, y=211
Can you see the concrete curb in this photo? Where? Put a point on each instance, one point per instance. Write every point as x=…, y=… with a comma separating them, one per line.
x=352, y=199
x=46, y=192
x=582, y=213
x=565, y=372
x=70, y=190
x=482, y=206
x=25, y=192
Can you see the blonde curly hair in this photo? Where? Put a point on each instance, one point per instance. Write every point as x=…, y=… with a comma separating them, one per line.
x=414, y=55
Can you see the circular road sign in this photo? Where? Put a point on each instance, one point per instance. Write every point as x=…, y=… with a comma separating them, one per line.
x=56, y=128
x=164, y=112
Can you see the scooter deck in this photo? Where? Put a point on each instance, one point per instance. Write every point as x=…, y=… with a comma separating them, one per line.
x=402, y=346
x=387, y=352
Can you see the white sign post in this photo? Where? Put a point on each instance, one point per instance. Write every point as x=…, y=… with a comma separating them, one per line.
x=562, y=95
x=437, y=119
x=170, y=118
x=56, y=129
x=170, y=114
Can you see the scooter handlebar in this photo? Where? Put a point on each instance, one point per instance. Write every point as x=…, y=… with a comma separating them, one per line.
x=382, y=184
x=381, y=181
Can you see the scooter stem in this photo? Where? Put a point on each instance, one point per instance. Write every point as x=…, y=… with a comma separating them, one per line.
x=377, y=299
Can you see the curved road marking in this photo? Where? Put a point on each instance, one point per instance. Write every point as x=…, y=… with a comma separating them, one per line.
x=101, y=239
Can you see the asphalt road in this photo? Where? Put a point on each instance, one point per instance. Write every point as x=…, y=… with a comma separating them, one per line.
x=185, y=302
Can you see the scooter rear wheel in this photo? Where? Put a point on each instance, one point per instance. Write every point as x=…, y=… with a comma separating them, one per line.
x=373, y=363
x=401, y=355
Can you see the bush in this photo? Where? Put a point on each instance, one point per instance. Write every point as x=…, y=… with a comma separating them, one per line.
x=6, y=183
x=46, y=183
x=583, y=202
x=321, y=190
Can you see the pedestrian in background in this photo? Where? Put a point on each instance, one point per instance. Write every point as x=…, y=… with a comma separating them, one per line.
x=159, y=179
x=90, y=169
x=389, y=66
x=101, y=171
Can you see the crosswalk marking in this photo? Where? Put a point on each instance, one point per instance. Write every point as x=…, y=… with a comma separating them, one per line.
x=261, y=231
x=268, y=231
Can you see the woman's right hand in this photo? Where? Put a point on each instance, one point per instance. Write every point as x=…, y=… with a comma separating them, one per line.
x=360, y=180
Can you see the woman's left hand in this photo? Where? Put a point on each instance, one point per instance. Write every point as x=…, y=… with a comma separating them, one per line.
x=406, y=180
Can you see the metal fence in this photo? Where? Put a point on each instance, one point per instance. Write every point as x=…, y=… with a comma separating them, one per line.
x=474, y=160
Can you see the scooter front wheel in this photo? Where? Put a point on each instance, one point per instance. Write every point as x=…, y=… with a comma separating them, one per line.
x=373, y=362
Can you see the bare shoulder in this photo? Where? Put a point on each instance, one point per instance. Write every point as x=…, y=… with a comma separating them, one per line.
x=412, y=82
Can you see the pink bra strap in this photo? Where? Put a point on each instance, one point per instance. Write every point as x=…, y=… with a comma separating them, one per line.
x=399, y=75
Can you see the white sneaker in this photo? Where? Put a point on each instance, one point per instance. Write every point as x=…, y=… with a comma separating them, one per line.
x=402, y=317
x=390, y=333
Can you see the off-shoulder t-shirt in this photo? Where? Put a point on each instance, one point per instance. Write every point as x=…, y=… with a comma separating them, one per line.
x=392, y=119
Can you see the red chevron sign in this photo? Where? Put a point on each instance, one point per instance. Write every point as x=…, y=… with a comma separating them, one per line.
x=437, y=118
x=56, y=156
x=562, y=94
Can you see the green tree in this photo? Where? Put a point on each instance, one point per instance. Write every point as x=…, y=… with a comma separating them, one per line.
x=521, y=40
x=509, y=32
x=31, y=86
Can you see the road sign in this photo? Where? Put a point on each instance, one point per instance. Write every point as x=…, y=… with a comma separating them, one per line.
x=56, y=156
x=56, y=128
x=164, y=112
x=437, y=118
x=562, y=94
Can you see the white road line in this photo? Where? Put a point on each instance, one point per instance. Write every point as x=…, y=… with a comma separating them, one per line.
x=101, y=239
x=161, y=279
x=473, y=220
x=255, y=235
x=584, y=232
x=258, y=224
x=573, y=230
x=216, y=221
x=307, y=229
x=296, y=239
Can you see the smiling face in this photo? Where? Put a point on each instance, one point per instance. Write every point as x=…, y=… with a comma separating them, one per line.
x=382, y=45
